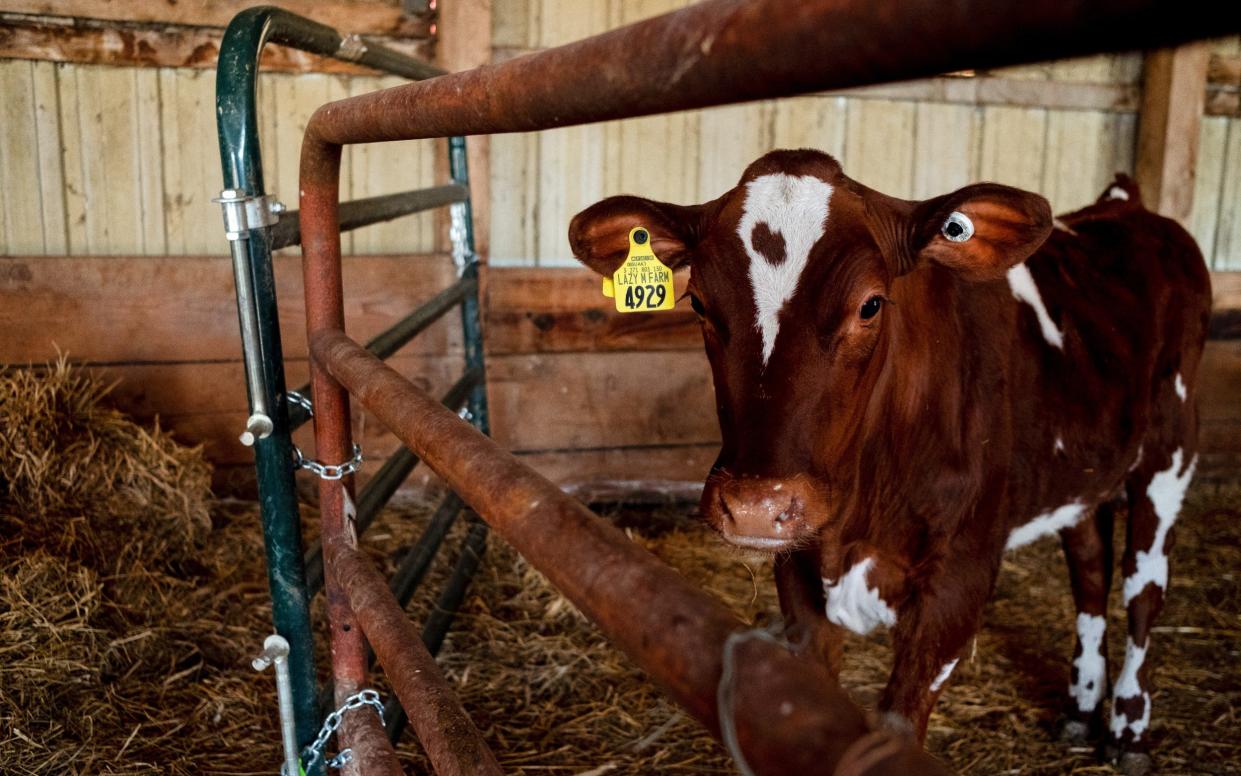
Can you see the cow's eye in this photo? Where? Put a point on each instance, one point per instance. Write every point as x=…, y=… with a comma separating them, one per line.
x=870, y=308
x=958, y=227
x=695, y=303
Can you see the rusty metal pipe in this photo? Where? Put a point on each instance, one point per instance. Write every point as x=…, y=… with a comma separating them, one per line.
x=729, y=51
x=787, y=714
x=452, y=742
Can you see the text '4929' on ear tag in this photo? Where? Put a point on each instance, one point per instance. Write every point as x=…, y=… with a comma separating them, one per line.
x=642, y=283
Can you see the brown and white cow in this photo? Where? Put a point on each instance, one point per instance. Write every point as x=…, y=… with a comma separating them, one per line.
x=907, y=389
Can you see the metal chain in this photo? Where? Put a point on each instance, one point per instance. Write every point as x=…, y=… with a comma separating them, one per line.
x=312, y=753
x=302, y=401
x=327, y=471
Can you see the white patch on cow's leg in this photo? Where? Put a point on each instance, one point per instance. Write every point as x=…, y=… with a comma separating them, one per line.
x=943, y=675
x=1024, y=289
x=1046, y=524
x=1117, y=192
x=852, y=603
x=1127, y=688
x=1091, y=664
x=1166, y=492
x=794, y=207
x=1062, y=226
x=1180, y=387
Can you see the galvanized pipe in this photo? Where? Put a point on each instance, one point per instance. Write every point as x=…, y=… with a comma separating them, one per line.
x=452, y=742
x=358, y=213
x=674, y=631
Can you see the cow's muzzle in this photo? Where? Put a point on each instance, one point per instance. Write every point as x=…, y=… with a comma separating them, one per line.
x=764, y=513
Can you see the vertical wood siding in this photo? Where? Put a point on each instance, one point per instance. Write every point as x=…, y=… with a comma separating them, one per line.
x=124, y=161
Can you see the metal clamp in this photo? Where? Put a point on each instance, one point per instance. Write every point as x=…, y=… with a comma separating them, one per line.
x=314, y=752
x=243, y=212
x=276, y=652
x=302, y=401
x=327, y=471
x=352, y=47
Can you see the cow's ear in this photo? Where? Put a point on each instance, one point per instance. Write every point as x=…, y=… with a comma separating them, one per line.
x=981, y=230
x=599, y=235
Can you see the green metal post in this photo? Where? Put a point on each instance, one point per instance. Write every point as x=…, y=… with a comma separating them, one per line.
x=471, y=325
x=237, y=120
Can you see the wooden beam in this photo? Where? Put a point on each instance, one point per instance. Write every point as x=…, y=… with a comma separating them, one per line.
x=1173, y=98
x=463, y=33
x=371, y=17
x=93, y=42
x=125, y=309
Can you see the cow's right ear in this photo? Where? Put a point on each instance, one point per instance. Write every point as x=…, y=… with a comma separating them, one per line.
x=599, y=235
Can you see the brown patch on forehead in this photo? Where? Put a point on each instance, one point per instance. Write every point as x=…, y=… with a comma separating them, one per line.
x=768, y=243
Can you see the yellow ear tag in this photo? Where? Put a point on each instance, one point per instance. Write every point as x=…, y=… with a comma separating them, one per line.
x=642, y=283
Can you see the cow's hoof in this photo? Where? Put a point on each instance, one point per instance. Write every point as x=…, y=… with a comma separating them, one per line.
x=1075, y=732
x=1135, y=764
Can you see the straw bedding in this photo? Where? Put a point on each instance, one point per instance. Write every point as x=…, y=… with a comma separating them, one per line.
x=130, y=604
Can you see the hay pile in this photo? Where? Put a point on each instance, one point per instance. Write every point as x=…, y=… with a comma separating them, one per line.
x=105, y=623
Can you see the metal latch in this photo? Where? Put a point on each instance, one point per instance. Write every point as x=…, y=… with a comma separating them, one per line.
x=244, y=212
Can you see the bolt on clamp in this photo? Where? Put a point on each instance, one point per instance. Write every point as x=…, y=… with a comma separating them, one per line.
x=243, y=212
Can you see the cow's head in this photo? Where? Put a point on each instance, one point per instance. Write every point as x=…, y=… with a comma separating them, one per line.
x=796, y=275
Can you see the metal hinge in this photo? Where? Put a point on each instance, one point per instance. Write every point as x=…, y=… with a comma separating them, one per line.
x=244, y=212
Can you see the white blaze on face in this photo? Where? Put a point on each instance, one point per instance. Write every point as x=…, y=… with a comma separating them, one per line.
x=795, y=208
x=1091, y=665
x=852, y=603
x=1127, y=686
x=1045, y=524
x=1021, y=282
x=1166, y=492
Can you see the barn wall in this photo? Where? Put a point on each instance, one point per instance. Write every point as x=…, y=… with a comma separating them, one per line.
x=123, y=161
x=906, y=147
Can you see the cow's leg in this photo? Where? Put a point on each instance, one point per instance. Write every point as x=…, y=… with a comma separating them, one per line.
x=801, y=601
x=1088, y=549
x=929, y=637
x=1156, y=491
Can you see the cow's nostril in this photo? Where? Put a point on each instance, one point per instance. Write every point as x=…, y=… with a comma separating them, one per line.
x=784, y=517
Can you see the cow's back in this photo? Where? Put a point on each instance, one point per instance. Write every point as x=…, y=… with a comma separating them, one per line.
x=1112, y=314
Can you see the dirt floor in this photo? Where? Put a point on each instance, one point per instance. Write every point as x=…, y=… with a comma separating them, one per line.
x=174, y=692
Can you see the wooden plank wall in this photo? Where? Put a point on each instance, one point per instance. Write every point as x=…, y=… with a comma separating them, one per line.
x=906, y=147
x=149, y=193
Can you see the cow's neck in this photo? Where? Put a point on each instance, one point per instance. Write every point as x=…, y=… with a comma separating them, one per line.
x=926, y=427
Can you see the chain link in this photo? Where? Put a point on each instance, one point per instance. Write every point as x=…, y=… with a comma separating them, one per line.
x=302, y=401
x=327, y=471
x=311, y=754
